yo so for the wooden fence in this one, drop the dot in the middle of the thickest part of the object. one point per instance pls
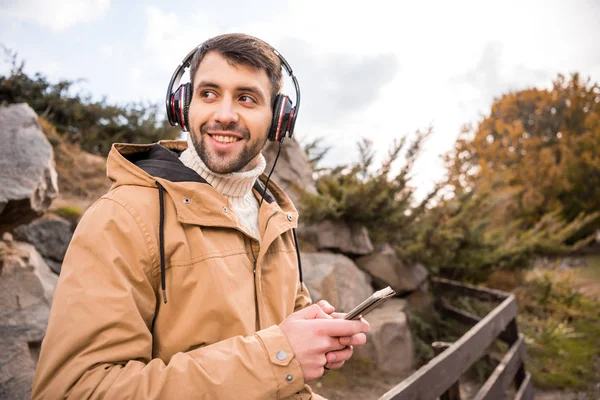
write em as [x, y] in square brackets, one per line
[439, 377]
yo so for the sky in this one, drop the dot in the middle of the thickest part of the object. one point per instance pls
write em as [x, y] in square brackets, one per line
[376, 69]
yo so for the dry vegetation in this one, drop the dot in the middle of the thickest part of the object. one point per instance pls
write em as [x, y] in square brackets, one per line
[81, 175]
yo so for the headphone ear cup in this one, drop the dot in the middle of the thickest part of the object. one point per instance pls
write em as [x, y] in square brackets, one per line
[176, 107]
[282, 112]
[187, 100]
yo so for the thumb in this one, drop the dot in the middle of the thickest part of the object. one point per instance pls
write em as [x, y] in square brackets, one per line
[313, 312]
[326, 307]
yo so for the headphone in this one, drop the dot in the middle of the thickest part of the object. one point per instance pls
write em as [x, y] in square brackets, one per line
[284, 111]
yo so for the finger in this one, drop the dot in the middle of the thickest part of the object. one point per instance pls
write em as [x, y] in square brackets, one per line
[341, 327]
[338, 315]
[356, 340]
[335, 365]
[326, 307]
[339, 355]
[366, 322]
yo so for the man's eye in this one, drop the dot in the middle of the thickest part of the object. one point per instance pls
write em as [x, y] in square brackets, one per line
[247, 99]
[207, 94]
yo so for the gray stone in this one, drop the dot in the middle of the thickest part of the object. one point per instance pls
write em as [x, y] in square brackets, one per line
[389, 344]
[338, 236]
[26, 289]
[335, 278]
[28, 180]
[55, 266]
[16, 365]
[293, 171]
[387, 269]
[50, 235]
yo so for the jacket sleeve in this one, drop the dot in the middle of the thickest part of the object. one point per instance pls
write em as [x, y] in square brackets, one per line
[99, 340]
[303, 299]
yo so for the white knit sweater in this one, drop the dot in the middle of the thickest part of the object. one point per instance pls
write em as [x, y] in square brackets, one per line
[236, 186]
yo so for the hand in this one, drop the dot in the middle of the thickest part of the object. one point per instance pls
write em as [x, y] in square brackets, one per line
[313, 333]
[336, 359]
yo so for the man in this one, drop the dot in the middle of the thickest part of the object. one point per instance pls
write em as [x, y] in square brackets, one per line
[233, 320]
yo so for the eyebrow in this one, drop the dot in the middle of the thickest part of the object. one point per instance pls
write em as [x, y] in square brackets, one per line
[251, 89]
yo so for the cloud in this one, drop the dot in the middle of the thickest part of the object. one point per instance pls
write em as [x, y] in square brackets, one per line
[493, 76]
[168, 39]
[57, 15]
[336, 85]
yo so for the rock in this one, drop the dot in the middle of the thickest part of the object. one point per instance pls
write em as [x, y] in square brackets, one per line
[50, 235]
[55, 266]
[16, 366]
[335, 278]
[293, 171]
[337, 236]
[389, 344]
[26, 288]
[387, 269]
[28, 182]
[422, 301]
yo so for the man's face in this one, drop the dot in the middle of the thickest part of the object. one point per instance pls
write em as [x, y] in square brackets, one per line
[230, 114]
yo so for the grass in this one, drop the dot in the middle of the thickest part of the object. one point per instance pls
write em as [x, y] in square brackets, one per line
[561, 328]
[70, 213]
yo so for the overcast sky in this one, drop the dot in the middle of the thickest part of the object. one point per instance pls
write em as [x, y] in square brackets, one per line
[376, 69]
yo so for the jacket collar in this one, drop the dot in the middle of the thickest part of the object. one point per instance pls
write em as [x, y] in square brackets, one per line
[196, 201]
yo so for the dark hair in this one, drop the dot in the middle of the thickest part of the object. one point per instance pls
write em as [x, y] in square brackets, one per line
[242, 49]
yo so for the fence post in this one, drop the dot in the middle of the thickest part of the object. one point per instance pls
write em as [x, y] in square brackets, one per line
[511, 334]
[453, 392]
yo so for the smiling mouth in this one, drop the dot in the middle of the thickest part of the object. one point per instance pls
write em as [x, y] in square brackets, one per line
[225, 139]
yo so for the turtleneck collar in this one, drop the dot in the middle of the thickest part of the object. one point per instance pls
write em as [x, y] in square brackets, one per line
[234, 184]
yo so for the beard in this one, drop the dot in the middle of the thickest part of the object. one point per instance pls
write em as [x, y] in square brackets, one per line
[225, 163]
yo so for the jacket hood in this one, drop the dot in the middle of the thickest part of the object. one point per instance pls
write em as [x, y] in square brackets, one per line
[142, 164]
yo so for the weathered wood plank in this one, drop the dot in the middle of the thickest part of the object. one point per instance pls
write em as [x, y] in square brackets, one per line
[433, 379]
[511, 335]
[453, 392]
[504, 373]
[526, 390]
[479, 292]
[471, 319]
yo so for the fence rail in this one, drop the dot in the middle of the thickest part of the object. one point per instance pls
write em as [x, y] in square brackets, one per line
[440, 376]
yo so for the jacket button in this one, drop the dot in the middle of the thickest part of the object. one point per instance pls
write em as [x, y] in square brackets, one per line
[290, 217]
[289, 377]
[186, 201]
[225, 210]
[281, 355]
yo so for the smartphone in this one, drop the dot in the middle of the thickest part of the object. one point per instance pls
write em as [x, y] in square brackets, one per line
[371, 303]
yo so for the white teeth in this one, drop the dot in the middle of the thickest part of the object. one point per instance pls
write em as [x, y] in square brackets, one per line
[225, 139]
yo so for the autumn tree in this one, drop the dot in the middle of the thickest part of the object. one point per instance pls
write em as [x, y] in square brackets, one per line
[541, 146]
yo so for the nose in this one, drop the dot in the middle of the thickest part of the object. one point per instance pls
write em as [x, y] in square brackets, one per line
[225, 113]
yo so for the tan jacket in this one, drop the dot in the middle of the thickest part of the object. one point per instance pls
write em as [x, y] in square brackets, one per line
[111, 335]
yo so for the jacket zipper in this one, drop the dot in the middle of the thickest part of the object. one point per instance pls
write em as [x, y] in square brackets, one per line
[256, 308]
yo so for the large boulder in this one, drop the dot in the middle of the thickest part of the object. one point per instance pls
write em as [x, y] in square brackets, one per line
[337, 236]
[293, 171]
[28, 182]
[50, 235]
[335, 278]
[389, 344]
[26, 289]
[388, 270]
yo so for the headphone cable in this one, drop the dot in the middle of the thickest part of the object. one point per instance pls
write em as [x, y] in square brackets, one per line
[272, 169]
